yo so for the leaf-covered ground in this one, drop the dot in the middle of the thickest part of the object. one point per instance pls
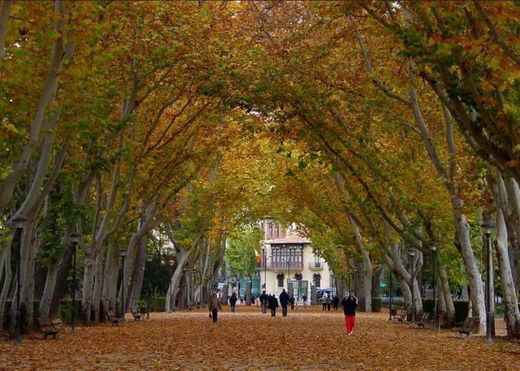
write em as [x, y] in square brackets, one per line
[306, 339]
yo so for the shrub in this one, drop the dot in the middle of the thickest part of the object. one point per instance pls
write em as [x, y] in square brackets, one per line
[376, 304]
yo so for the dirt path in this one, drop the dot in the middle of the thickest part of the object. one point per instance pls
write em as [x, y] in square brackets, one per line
[306, 339]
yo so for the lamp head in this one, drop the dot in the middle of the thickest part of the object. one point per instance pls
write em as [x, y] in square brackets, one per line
[487, 227]
[18, 222]
[412, 253]
[433, 245]
[122, 253]
[149, 258]
[75, 237]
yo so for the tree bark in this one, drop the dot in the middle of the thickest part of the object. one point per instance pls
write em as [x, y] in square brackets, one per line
[4, 18]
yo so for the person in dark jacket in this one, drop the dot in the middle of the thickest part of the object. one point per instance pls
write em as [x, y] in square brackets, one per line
[349, 304]
[291, 300]
[335, 302]
[284, 301]
[233, 301]
[263, 301]
[273, 304]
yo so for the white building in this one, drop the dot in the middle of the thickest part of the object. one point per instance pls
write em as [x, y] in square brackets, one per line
[287, 261]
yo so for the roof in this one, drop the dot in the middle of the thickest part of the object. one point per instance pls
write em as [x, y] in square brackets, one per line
[289, 240]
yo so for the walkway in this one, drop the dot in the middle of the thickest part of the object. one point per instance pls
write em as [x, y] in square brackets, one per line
[306, 339]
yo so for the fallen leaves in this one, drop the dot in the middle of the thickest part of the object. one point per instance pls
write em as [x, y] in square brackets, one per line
[306, 339]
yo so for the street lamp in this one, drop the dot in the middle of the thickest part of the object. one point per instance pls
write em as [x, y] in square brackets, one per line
[74, 238]
[390, 303]
[433, 248]
[487, 228]
[18, 223]
[412, 255]
[149, 258]
[122, 254]
[264, 253]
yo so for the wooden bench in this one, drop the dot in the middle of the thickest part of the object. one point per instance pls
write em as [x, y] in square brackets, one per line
[423, 320]
[112, 318]
[135, 313]
[468, 326]
[48, 327]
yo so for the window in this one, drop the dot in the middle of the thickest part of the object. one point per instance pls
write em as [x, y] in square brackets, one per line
[280, 278]
[316, 278]
[287, 256]
[270, 231]
[277, 231]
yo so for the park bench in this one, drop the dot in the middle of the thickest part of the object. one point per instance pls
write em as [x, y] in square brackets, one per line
[468, 326]
[423, 320]
[48, 327]
[112, 318]
[135, 313]
[393, 313]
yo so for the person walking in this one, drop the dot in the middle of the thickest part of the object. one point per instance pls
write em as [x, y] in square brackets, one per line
[350, 304]
[214, 307]
[284, 301]
[263, 301]
[304, 298]
[233, 301]
[291, 300]
[273, 304]
[335, 302]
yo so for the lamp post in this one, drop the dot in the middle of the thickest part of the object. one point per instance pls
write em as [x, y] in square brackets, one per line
[412, 255]
[122, 254]
[390, 303]
[18, 223]
[288, 267]
[149, 258]
[74, 238]
[487, 227]
[264, 253]
[433, 247]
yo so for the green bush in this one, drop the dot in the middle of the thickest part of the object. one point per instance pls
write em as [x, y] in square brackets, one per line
[377, 303]
[428, 305]
[65, 311]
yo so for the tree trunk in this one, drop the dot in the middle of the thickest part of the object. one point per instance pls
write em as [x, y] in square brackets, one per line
[366, 270]
[99, 282]
[509, 297]
[4, 18]
[472, 269]
[88, 286]
[48, 291]
[173, 289]
[445, 294]
[6, 261]
[110, 275]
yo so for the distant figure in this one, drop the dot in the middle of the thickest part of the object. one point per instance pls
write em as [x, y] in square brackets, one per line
[327, 302]
[349, 304]
[273, 304]
[263, 301]
[335, 302]
[304, 298]
[233, 301]
[284, 301]
[214, 307]
[324, 302]
[241, 299]
[252, 299]
[291, 300]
